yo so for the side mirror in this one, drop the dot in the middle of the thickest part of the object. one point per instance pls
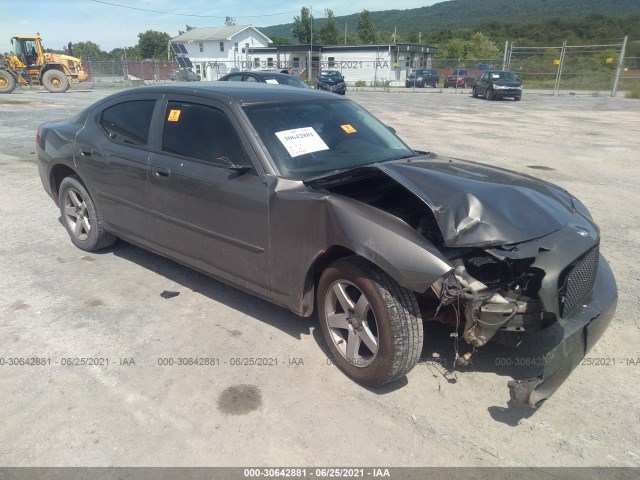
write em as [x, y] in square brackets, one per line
[229, 165]
[391, 129]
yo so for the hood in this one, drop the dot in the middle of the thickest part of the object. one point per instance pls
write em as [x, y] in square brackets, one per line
[477, 205]
[330, 80]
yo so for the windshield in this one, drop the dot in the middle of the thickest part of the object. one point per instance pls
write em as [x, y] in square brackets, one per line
[310, 139]
[510, 77]
[332, 74]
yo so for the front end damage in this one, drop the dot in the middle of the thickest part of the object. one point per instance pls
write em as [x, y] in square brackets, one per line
[524, 255]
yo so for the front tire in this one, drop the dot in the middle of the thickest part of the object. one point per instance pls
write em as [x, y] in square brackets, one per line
[474, 92]
[80, 217]
[7, 82]
[55, 81]
[489, 94]
[371, 324]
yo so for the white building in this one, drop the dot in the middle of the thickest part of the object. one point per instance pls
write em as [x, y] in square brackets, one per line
[213, 51]
[216, 51]
[369, 63]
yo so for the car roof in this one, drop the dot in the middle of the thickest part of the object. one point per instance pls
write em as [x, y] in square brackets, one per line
[243, 93]
[262, 74]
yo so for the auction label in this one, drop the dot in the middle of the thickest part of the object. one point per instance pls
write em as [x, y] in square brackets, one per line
[301, 141]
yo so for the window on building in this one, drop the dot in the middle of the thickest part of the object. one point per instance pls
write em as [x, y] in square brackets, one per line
[202, 133]
[296, 62]
[201, 45]
[222, 46]
[128, 122]
[269, 61]
[235, 46]
[256, 62]
[332, 62]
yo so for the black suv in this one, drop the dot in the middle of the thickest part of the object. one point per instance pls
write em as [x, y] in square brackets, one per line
[423, 77]
[493, 84]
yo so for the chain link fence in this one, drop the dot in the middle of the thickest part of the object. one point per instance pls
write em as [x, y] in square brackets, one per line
[585, 68]
[126, 73]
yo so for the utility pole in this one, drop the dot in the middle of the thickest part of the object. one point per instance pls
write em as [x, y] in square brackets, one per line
[345, 32]
[310, 47]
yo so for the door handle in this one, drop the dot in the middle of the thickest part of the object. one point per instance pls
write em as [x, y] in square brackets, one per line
[85, 152]
[161, 172]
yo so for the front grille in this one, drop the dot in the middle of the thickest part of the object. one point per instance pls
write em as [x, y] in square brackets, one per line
[579, 282]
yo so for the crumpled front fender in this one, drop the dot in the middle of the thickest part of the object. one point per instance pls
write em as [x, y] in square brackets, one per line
[304, 224]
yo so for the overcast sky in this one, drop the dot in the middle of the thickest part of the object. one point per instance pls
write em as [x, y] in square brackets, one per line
[110, 26]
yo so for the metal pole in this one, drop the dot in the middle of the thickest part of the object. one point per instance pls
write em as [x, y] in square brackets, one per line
[504, 59]
[509, 57]
[559, 73]
[616, 81]
[310, 47]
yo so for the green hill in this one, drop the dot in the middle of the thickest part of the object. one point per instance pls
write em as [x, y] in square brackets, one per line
[456, 14]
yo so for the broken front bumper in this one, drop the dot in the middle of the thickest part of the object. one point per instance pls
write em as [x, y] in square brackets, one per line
[581, 331]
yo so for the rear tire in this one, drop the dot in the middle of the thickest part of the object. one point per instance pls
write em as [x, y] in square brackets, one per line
[517, 99]
[55, 81]
[371, 324]
[80, 217]
[7, 82]
[474, 92]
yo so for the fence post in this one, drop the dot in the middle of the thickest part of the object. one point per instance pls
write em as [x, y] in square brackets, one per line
[616, 81]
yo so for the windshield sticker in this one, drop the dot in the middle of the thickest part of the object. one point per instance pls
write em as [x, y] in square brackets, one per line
[174, 115]
[272, 80]
[301, 141]
[348, 128]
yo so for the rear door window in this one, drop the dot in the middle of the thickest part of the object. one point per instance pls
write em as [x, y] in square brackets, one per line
[128, 122]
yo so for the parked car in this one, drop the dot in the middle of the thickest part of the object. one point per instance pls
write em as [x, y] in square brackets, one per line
[423, 77]
[498, 84]
[259, 76]
[184, 75]
[461, 78]
[305, 199]
[331, 81]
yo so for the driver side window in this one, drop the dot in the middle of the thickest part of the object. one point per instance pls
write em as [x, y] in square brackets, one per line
[203, 133]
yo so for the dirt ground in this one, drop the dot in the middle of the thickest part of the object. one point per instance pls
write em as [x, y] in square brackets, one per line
[59, 303]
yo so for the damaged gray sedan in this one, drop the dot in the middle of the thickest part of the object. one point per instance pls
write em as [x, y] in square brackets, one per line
[306, 200]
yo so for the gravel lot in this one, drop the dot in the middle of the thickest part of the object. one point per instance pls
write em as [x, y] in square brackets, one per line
[58, 302]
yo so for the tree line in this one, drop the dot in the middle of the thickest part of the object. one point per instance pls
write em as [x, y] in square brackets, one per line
[484, 41]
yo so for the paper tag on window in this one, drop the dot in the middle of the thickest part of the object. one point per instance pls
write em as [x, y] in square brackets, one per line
[348, 128]
[271, 80]
[301, 141]
[174, 115]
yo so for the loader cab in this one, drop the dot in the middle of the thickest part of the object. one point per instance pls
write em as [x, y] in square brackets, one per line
[28, 50]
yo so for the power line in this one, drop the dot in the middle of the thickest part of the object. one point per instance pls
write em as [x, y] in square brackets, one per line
[188, 14]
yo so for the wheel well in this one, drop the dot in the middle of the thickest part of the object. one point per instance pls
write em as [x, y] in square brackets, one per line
[52, 66]
[313, 275]
[59, 173]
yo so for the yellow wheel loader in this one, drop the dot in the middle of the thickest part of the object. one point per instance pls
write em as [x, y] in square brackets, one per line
[29, 64]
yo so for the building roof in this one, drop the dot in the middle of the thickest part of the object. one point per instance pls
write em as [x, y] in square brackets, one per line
[215, 34]
[397, 47]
